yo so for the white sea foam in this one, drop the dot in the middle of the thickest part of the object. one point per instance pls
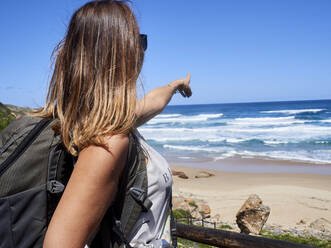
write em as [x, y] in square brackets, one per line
[322, 142]
[317, 156]
[185, 157]
[168, 115]
[171, 139]
[237, 134]
[228, 154]
[266, 121]
[293, 111]
[209, 139]
[282, 135]
[275, 142]
[211, 116]
[288, 129]
[198, 148]
[184, 118]
[177, 130]
[227, 140]
[326, 121]
[174, 120]
[235, 140]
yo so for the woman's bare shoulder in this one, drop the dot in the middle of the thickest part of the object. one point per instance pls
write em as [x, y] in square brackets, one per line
[115, 145]
[121, 140]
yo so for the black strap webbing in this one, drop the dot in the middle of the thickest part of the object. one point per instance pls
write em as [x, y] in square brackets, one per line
[173, 229]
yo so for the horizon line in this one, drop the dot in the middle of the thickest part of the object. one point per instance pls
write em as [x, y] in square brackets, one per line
[305, 100]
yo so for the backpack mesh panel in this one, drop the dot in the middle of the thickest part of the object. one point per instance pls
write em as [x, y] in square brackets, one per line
[23, 124]
[30, 169]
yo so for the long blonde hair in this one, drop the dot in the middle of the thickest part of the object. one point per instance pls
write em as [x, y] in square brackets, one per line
[92, 90]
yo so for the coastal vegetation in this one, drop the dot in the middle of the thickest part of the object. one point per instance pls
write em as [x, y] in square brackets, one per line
[285, 237]
[184, 216]
[6, 116]
[298, 239]
[9, 113]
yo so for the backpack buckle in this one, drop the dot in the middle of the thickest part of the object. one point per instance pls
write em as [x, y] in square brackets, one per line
[54, 187]
[140, 196]
[117, 228]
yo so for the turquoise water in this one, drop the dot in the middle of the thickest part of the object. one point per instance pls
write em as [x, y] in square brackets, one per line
[292, 131]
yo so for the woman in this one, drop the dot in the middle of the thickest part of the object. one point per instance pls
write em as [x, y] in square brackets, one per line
[93, 94]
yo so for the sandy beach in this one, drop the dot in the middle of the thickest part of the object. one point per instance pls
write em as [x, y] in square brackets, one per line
[292, 197]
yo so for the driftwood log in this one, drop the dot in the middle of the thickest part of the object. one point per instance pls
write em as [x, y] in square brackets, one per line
[227, 239]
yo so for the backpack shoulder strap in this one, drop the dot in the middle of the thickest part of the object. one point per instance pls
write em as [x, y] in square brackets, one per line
[135, 200]
[122, 216]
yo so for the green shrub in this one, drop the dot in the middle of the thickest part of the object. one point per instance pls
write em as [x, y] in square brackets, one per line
[300, 240]
[184, 243]
[5, 118]
[181, 213]
[224, 227]
[193, 204]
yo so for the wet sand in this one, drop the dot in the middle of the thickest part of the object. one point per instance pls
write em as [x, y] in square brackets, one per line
[255, 165]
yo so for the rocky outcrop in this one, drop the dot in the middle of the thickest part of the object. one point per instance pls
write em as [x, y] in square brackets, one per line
[204, 211]
[180, 174]
[197, 208]
[203, 174]
[321, 224]
[252, 215]
[179, 202]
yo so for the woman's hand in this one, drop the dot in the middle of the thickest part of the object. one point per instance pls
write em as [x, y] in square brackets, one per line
[182, 86]
[156, 100]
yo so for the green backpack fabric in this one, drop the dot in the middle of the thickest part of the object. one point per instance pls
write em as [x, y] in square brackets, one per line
[34, 170]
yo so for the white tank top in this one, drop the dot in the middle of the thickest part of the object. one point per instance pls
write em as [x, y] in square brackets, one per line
[150, 225]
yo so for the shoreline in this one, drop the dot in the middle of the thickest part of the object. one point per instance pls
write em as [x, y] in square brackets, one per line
[255, 165]
[295, 200]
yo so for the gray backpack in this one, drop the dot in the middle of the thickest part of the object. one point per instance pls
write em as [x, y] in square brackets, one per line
[34, 169]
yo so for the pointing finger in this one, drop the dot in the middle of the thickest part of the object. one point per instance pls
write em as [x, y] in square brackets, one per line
[188, 78]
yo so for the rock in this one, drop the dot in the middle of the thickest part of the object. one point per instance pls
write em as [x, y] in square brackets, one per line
[301, 222]
[197, 208]
[204, 211]
[252, 215]
[179, 202]
[321, 224]
[180, 174]
[195, 214]
[204, 174]
[204, 208]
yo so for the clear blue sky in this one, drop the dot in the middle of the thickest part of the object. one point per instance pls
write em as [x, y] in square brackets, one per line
[236, 50]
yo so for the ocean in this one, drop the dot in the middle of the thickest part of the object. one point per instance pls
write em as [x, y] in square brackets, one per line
[298, 131]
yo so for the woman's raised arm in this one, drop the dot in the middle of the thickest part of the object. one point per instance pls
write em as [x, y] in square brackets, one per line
[155, 101]
[89, 192]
